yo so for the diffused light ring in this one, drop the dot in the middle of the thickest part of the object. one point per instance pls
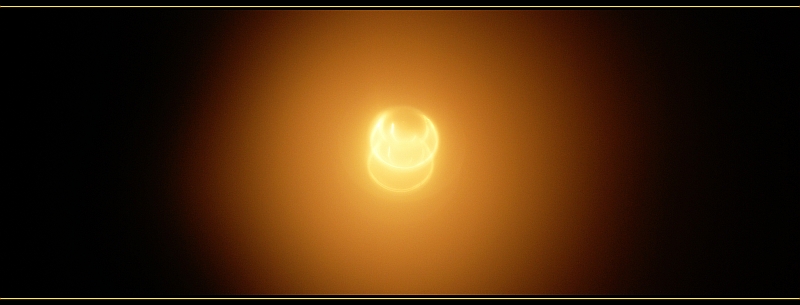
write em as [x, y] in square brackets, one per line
[427, 140]
[403, 142]
[399, 190]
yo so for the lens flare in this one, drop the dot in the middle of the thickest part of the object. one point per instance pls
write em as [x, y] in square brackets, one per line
[403, 145]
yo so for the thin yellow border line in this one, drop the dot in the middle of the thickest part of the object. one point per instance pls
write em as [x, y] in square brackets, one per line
[367, 6]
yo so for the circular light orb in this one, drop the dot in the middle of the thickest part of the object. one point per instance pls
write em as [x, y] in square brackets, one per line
[403, 145]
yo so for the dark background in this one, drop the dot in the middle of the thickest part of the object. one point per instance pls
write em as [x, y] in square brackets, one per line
[96, 98]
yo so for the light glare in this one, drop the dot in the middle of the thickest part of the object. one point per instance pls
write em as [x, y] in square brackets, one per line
[403, 145]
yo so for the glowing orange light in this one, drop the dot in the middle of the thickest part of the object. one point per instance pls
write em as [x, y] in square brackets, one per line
[403, 145]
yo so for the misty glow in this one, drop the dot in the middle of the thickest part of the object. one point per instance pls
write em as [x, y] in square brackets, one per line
[403, 144]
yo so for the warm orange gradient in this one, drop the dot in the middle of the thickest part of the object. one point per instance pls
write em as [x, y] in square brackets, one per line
[534, 191]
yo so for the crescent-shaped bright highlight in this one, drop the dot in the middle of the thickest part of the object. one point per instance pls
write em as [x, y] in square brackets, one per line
[403, 144]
